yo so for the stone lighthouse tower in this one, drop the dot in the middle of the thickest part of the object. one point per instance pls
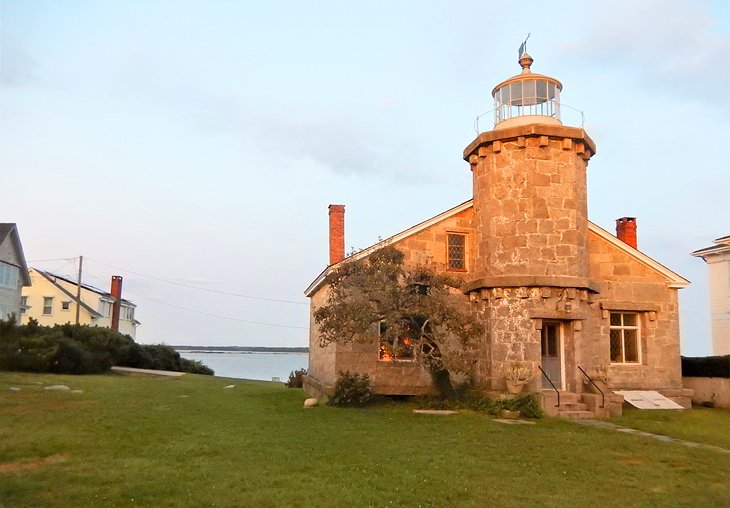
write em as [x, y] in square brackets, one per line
[530, 213]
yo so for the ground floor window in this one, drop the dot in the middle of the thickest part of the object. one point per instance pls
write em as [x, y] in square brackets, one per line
[394, 349]
[624, 336]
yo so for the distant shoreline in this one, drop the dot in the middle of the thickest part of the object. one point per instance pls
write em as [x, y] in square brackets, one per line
[239, 349]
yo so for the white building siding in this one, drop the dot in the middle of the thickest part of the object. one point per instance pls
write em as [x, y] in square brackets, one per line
[719, 268]
[9, 303]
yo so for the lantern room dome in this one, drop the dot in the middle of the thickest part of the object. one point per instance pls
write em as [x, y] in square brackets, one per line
[527, 98]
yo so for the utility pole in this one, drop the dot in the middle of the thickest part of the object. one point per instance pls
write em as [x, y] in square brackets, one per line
[78, 290]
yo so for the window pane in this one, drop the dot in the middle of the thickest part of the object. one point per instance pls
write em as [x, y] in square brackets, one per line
[528, 92]
[456, 252]
[541, 91]
[616, 353]
[631, 345]
[516, 93]
[629, 319]
[615, 319]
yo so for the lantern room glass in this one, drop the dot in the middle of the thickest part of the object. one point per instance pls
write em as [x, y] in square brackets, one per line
[527, 97]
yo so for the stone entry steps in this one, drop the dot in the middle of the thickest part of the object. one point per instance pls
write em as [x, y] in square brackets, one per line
[580, 406]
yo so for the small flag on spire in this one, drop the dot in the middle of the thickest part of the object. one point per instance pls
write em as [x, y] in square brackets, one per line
[523, 47]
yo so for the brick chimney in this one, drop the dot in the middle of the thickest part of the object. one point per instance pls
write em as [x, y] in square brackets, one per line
[626, 230]
[116, 292]
[337, 233]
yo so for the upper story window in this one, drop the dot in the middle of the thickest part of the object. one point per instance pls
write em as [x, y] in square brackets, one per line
[105, 308]
[66, 305]
[9, 275]
[456, 252]
[624, 334]
[47, 305]
[127, 313]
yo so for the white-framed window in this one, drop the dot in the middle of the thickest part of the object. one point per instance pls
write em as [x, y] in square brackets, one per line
[66, 305]
[127, 313]
[9, 275]
[24, 304]
[47, 305]
[105, 308]
[456, 252]
[625, 337]
[394, 350]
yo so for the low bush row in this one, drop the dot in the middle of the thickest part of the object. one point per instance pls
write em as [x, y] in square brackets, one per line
[355, 390]
[706, 366]
[82, 349]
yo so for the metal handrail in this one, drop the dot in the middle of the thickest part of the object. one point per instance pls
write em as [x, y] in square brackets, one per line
[551, 384]
[562, 105]
[603, 395]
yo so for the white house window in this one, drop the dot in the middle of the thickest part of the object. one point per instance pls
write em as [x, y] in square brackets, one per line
[105, 308]
[624, 334]
[128, 313]
[9, 275]
[24, 304]
[47, 305]
[456, 252]
[65, 305]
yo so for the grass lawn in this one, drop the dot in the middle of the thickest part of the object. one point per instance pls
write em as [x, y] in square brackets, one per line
[154, 441]
[702, 425]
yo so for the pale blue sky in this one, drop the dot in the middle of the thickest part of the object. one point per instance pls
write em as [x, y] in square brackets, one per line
[201, 142]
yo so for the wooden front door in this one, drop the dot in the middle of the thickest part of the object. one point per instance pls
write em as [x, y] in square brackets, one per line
[552, 354]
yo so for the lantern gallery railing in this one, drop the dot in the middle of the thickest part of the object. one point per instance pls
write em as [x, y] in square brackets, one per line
[575, 114]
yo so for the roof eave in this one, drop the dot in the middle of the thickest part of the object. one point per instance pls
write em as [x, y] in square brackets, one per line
[317, 283]
[675, 280]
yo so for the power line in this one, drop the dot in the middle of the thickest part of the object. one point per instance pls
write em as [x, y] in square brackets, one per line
[55, 259]
[218, 315]
[200, 288]
[202, 312]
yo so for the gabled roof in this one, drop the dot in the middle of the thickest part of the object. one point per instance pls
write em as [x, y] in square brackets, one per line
[675, 280]
[52, 279]
[722, 244]
[9, 232]
[395, 238]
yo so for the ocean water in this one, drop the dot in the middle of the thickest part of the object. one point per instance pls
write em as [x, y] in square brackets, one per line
[261, 366]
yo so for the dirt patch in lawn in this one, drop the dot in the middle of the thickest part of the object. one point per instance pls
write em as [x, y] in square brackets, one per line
[33, 464]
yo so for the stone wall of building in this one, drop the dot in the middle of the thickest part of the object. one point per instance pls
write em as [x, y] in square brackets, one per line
[322, 360]
[623, 283]
[427, 247]
[530, 201]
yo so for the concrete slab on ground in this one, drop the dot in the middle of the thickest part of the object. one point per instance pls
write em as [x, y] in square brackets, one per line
[132, 370]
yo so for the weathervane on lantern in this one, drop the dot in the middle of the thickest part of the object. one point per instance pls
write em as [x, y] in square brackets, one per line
[523, 47]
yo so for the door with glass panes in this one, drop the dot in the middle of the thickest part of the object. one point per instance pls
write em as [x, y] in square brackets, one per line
[552, 354]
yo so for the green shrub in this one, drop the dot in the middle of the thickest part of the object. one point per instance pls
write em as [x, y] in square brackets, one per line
[195, 367]
[351, 389]
[73, 357]
[706, 366]
[527, 404]
[82, 349]
[296, 378]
